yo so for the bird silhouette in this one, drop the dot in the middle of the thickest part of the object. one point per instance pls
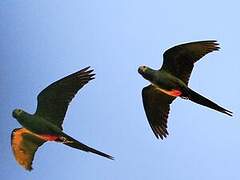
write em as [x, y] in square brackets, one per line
[171, 81]
[46, 123]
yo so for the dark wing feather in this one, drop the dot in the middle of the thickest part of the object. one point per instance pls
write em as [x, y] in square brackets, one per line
[157, 106]
[179, 60]
[24, 145]
[53, 101]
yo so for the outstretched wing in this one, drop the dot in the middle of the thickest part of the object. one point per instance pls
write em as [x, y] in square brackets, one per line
[53, 101]
[157, 106]
[179, 60]
[24, 145]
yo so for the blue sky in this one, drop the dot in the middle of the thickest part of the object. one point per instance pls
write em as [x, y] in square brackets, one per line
[43, 41]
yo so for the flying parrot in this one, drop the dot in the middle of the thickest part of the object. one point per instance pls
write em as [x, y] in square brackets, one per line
[171, 81]
[46, 123]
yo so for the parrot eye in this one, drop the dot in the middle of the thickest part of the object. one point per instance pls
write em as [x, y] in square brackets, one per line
[144, 68]
[19, 111]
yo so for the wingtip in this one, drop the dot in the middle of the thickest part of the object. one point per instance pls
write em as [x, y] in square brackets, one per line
[86, 74]
[159, 136]
[213, 45]
[211, 41]
[89, 71]
[160, 132]
[86, 68]
[162, 137]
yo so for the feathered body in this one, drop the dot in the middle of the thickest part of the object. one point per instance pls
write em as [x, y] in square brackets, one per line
[171, 81]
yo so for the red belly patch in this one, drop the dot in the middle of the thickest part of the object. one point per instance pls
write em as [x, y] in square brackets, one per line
[173, 92]
[48, 137]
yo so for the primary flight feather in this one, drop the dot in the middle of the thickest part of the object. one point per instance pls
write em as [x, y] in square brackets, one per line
[171, 81]
[46, 124]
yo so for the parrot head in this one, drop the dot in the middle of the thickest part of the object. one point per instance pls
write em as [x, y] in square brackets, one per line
[21, 116]
[146, 72]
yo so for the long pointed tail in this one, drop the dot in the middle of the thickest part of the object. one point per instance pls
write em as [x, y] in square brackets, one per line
[69, 141]
[197, 98]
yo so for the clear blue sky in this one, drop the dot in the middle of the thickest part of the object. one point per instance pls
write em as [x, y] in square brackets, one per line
[42, 41]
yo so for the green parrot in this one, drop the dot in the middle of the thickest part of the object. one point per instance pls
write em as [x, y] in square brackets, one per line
[46, 123]
[171, 81]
